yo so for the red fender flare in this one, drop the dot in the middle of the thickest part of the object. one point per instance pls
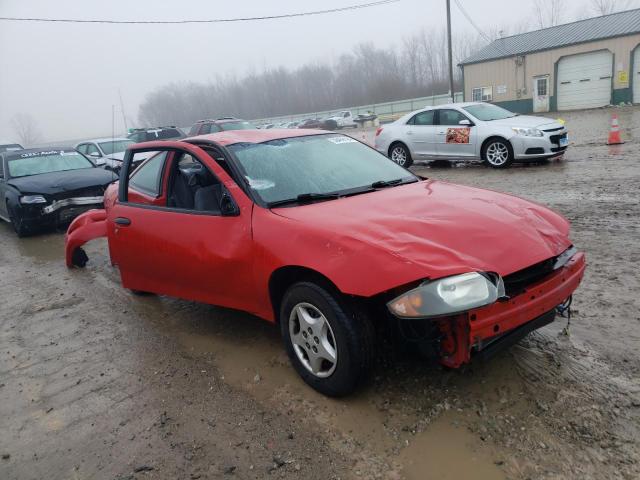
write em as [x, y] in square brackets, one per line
[88, 226]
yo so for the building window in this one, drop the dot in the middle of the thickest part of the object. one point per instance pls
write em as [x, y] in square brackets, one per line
[482, 94]
[541, 86]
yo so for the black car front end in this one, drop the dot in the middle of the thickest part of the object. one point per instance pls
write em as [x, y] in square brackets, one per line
[45, 188]
[33, 212]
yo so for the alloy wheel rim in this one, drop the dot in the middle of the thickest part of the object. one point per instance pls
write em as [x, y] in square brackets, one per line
[313, 340]
[399, 155]
[497, 153]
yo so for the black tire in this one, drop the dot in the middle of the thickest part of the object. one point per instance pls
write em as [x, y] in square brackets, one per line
[497, 153]
[399, 153]
[17, 223]
[352, 333]
[79, 258]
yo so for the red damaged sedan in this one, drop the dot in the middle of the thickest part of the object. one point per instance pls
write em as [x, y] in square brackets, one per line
[335, 243]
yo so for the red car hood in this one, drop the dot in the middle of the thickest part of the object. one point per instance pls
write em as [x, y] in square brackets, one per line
[441, 228]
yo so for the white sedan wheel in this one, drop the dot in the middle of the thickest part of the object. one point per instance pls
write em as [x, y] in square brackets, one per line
[399, 155]
[497, 154]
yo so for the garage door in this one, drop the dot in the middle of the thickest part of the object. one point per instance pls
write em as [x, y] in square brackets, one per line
[584, 81]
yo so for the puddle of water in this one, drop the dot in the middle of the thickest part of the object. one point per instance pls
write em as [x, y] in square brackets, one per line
[254, 360]
[43, 248]
[447, 452]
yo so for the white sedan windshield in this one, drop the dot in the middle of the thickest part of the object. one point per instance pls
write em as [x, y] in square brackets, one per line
[487, 112]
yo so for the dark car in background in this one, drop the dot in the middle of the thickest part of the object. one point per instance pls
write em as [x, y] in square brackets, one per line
[151, 134]
[204, 127]
[328, 124]
[8, 147]
[47, 187]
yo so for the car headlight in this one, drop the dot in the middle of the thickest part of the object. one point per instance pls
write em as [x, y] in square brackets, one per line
[448, 296]
[528, 132]
[31, 199]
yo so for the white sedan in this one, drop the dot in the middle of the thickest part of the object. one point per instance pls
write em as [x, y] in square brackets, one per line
[471, 131]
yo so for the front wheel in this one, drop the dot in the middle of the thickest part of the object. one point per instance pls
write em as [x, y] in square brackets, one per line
[400, 154]
[497, 153]
[329, 344]
[17, 223]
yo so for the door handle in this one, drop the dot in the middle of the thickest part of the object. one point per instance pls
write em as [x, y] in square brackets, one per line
[122, 221]
[409, 132]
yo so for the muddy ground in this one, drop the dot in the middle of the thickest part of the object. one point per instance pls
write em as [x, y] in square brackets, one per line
[96, 382]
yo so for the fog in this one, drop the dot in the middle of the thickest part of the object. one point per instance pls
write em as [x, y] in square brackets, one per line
[67, 76]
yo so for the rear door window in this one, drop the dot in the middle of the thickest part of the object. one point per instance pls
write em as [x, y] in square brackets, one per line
[168, 133]
[423, 118]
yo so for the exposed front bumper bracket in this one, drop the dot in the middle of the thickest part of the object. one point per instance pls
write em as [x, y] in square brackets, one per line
[514, 336]
[56, 205]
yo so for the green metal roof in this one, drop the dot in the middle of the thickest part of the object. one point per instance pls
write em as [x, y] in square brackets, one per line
[589, 30]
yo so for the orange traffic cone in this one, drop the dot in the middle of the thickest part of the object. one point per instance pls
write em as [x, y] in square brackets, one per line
[614, 133]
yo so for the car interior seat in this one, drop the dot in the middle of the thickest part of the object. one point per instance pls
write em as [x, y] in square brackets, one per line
[182, 195]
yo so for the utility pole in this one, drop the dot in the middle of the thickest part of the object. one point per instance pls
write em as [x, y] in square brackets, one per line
[453, 95]
[124, 117]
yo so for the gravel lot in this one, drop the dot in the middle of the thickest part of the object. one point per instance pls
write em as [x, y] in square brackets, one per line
[98, 383]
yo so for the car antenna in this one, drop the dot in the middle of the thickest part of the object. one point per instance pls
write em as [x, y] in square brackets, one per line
[113, 135]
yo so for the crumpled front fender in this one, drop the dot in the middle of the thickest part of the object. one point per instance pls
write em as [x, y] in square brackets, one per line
[88, 226]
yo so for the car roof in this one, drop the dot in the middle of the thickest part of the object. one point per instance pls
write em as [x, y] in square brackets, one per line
[105, 139]
[222, 120]
[229, 137]
[449, 105]
[151, 129]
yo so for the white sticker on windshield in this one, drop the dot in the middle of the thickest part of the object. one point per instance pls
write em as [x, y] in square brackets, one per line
[341, 140]
[260, 183]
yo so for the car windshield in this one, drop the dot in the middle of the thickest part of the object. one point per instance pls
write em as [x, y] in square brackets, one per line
[487, 112]
[35, 163]
[237, 126]
[115, 146]
[318, 164]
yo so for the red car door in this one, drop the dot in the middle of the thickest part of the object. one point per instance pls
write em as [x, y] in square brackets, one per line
[177, 249]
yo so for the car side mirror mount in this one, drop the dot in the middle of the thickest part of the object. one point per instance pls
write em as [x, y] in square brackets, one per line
[228, 206]
[466, 123]
[95, 155]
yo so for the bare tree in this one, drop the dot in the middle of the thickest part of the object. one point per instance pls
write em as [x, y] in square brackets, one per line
[26, 128]
[606, 7]
[548, 13]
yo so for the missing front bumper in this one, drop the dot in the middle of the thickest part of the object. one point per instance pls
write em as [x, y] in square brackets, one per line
[492, 347]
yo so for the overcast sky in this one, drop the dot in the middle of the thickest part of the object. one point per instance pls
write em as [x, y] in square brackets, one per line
[68, 75]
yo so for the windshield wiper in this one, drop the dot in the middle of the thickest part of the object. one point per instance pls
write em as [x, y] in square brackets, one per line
[386, 183]
[304, 198]
[392, 183]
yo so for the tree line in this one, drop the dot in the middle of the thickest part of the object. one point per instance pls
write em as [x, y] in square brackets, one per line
[368, 74]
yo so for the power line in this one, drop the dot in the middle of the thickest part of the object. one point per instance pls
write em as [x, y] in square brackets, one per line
[215, 20]
[482, 34]
[470, 20]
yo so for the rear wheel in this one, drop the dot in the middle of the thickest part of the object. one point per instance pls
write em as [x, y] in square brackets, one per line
[497, 153]
[400, 154]
[329, 344]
